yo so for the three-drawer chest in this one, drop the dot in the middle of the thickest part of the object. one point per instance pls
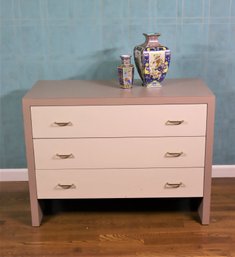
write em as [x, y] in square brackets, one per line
[92, 139]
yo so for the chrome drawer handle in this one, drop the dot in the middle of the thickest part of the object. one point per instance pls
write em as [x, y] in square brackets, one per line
[70, 186]
[174, 122]
[173, 155]
[63, 124]
[65, 156]
[173, 185]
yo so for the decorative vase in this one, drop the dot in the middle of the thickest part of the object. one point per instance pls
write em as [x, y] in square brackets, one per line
[126, 72]
[152, 60]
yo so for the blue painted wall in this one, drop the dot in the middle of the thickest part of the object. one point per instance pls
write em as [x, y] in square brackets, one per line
[82, 39]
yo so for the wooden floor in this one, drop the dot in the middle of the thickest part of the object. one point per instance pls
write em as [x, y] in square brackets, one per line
[146, 227]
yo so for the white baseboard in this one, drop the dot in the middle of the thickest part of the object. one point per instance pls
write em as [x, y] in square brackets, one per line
[218, 171]
[223, 171]
[14, 175]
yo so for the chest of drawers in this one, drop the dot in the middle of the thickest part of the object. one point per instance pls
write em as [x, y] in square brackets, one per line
[91, 139]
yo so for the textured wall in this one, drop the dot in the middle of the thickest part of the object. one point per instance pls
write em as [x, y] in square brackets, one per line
[82, 39]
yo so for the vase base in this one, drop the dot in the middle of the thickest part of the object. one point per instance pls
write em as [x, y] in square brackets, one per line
[152, 84]
[126, 86]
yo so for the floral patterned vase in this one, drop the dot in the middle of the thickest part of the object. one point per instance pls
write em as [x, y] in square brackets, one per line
[152, 60]
[126, 72]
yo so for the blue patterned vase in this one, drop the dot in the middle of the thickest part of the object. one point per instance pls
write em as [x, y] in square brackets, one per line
[152, 60]
[126, 72]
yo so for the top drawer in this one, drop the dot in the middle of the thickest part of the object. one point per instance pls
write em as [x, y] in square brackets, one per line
[119, 121]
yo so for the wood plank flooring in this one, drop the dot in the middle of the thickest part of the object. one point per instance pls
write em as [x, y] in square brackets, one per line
[127, 227]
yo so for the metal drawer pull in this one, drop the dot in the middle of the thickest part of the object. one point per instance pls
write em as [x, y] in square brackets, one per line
[65, 156]
[173, 155]
[174, 122]
[63, 124]
[60, 186]
[176, 185]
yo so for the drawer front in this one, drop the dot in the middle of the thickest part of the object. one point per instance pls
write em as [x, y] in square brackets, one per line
[118, 121]
[120, 183]
[119, 152]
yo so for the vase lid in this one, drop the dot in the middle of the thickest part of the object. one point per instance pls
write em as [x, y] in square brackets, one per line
[125, 56]
[151, 34]
[126, 59]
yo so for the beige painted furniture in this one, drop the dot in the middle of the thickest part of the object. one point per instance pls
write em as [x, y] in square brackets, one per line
[91, 139]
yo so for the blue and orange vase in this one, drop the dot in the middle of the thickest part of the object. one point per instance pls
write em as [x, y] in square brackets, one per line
[152, 60]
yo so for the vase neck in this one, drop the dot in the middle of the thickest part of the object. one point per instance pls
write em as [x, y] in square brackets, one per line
[126, 59]
[152, 39]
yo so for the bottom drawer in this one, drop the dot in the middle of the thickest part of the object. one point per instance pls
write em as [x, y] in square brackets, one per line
[120, 183]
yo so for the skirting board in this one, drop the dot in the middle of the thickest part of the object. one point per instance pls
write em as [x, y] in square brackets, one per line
[14, 175]
[223, 171]
[218, 171]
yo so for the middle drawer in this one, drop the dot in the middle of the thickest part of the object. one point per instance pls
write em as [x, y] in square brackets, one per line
[119, 152]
